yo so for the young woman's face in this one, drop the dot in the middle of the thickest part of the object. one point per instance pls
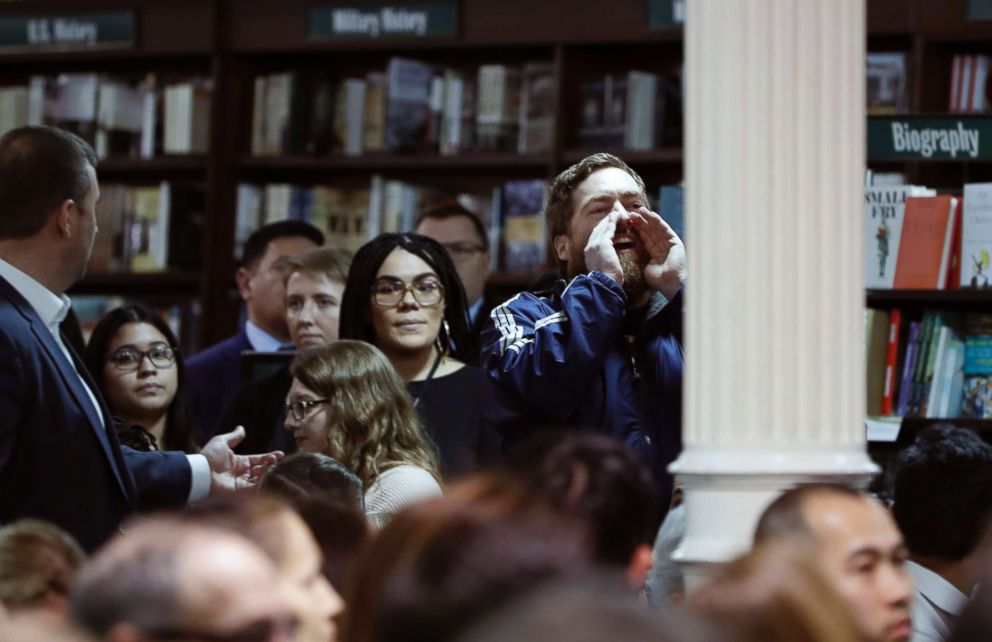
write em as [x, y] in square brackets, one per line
[413, 323]
[308, 417]
[140, 375]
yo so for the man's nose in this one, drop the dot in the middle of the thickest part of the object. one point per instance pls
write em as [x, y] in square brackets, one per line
[898, 586]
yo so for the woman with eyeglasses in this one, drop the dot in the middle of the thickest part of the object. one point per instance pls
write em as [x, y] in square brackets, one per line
[404, 296]
[348, 402]
[133, 356]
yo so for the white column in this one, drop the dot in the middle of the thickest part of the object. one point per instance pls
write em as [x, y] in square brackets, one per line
[774, 158]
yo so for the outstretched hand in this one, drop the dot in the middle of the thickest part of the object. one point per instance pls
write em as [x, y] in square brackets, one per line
[665, 271]
[599, 253]
[229, 471]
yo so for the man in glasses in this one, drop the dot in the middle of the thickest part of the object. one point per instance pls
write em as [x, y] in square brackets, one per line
[604, 351]
[60, 459]
[172, 581]
[462, 234]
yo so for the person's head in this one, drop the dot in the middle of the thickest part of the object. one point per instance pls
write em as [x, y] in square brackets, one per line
[943, 493]
[262, 273]
[38, 563]
[314, 286]
[317, 476]
[439, 565]
[49, 192]
[135, 359]
[287, 541]
[775, 593]
[404, 296]
[857, 547]
[169, 581]
[341, 531]
[347, 401]
[601, 481]
[583, 195]
[461, 233]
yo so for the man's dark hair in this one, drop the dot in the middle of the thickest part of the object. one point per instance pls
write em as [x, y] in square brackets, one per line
[40, 168]
[943, 492]
[315, 476]
[341, 532]
[452, 209]
[357, 301]
[784, 516]
[599, 480]
[259, 240]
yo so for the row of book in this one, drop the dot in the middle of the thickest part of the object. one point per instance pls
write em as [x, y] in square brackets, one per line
[512, 212]
[916, 239]
[417, 107]
[121, 117]
[182, 317]
[938, 366]
[969, 84]
[149, 228]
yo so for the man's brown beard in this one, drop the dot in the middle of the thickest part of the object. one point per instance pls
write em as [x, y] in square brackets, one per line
[632, 265]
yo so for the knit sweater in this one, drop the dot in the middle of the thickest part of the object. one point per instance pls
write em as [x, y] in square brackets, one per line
[397, 488]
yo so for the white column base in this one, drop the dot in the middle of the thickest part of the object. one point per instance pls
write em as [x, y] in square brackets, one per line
[726, 491]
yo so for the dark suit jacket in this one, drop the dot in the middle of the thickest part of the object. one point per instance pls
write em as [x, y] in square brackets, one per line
[259, 406]
[57, 462]
[213, 376]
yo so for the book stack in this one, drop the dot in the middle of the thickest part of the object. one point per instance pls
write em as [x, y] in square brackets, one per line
[969, 83]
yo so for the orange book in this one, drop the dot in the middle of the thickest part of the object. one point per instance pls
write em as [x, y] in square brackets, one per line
[891, 362]
[925, 250]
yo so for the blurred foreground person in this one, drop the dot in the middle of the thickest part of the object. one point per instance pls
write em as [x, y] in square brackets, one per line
[169, 581]
[38, 563]
[39, 628]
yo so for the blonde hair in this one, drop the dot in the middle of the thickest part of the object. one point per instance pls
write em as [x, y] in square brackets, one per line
[375, 426]
[35, 558]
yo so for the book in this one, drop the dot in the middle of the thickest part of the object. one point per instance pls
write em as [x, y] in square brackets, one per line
[889, 381]
[671, 207]
[976, 235]
[592, 119]
[886, 87]
[524, 244]
[925, 249]
[498, 112]
[884, 212]
[70, 103]
[908, 368]
[187, 117]
[876, 341]
[408, 98]
[120, 118]
[373, 135]
[642, 109]
[537, 108]
[13, 107]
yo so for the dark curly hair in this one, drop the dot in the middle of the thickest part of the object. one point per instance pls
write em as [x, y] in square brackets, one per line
[355, 304]
[179, 422]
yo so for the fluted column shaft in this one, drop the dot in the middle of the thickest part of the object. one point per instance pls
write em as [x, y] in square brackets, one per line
[774, 155]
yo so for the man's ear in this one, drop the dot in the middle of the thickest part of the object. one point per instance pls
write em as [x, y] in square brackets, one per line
[561, 247]
[65, 218]
[639, 566]
[243, 278]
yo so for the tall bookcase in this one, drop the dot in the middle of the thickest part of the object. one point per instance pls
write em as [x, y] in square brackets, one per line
[233, 41]
[930, 34]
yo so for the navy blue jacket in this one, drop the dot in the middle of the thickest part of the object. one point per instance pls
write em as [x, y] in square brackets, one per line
[57, 462]
[213, 377]
[564, 360]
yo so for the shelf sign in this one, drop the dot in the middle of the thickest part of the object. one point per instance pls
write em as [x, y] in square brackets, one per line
[927, 138]
[383, 21]
[979, 9]
[665, 14]
[67, 32]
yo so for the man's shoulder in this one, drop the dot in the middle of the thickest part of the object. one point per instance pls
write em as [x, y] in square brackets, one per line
[229, 348]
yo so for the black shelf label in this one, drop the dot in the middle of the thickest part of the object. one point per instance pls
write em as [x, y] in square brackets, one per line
[929, 138]
[665, 14]
[364, 21]
[67, 32]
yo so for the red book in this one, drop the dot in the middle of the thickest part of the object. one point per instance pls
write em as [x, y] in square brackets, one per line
[925, 252]
[954, 266]
[891, 358]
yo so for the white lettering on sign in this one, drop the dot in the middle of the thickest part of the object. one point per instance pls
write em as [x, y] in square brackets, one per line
[925, 141]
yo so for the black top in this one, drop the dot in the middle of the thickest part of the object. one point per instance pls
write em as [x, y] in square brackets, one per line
[451, 410]
[259, 407]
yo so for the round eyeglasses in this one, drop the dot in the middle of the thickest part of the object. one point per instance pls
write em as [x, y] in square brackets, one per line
[301, 407]
[427, 291]
[129, 359]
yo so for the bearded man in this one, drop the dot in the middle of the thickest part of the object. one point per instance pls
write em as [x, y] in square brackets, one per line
[603, 351]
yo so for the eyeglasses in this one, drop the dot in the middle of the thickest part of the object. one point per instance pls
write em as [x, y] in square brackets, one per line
[263, 630]
[129, 359]
[427, 291]
[301, 407]
[462, 250]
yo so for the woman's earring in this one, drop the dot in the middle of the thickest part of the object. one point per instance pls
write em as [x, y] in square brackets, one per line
[444, 345]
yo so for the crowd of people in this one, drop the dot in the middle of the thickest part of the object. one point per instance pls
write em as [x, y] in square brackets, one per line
[421, 462]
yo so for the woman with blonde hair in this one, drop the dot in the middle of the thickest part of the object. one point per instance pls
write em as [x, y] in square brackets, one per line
[347, 402]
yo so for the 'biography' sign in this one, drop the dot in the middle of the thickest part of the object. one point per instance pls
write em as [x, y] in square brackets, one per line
[929, 138]
[383, 21]
[69, 32]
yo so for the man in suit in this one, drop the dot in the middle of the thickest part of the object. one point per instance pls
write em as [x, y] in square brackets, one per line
[462, 234]
[215, 374]
[59, 455]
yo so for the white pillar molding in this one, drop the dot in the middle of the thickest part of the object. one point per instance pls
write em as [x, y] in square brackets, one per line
[774, 172]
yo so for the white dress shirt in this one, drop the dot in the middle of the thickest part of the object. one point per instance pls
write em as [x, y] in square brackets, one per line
[260, 340]
[52, 309]
[936, 605]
